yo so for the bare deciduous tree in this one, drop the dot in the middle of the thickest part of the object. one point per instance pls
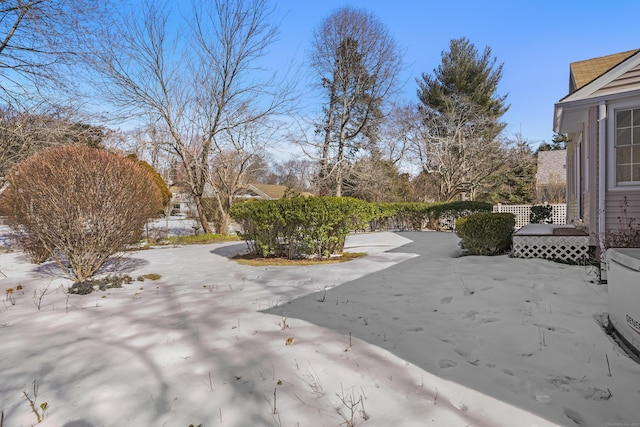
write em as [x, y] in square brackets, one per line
[39, 40]
[358, 62]
[23, 133]
[397, 133]
[554, 191]
[297, 174]
[457, 149]
[199, 85]
[230, 171]
[376, 180]
[79, 205]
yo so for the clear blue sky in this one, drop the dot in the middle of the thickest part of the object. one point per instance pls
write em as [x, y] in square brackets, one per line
[536, 41]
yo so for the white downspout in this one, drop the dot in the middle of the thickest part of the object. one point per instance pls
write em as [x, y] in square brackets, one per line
[602, 171]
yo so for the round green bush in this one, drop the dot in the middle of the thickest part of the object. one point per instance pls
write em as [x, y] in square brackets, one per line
[486, 233]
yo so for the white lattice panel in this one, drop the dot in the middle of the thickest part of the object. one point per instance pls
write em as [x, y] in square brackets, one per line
[565, 248]
[523, 213]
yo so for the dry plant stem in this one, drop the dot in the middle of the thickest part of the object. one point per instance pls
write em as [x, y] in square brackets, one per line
[33, 407]
[275, 407]
[37, 298]
[349, 401]
[608, 365]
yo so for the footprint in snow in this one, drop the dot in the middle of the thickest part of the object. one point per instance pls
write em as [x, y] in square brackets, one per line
[462, 352]
[554, 328]
[595, 393]
[574, 416]
[446, 363]
[446, 300]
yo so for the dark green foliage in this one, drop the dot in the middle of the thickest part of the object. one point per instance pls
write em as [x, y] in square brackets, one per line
[445, 215]
[419, 216]
[558, 142]
[514, 184]
[486, 233]
[155, 176]
[467, 73]
[301, 227]
[540, 214]
[402, 216]
[87, 286]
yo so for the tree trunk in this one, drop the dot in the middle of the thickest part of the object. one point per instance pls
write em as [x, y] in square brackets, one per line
[324, 161]
[202, 218]
[341, 141]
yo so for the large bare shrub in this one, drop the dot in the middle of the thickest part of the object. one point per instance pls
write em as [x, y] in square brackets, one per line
[79, 205]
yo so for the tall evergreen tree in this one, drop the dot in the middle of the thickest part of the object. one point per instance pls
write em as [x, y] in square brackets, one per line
[466, 73]
[460, 114]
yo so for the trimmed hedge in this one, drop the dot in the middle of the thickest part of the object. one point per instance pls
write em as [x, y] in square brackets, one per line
[486, 233]
[301, 226]
[420, 216]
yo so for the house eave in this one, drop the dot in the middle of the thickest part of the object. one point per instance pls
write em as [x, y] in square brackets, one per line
[569, 114]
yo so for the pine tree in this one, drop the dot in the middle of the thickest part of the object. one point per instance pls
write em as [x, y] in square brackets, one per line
[467, 73]
[460, 114]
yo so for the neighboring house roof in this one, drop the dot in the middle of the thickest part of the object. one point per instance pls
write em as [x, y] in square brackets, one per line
[271, 191]
[552, 167]
[260, 191]
[584, 72]
[268, 191]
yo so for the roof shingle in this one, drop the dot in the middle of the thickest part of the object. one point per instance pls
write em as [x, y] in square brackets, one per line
[584, 72]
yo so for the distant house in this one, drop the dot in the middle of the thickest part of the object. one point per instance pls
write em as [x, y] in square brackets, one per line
[183, 202]
[264, 191]
[601, 116]
[551, 176]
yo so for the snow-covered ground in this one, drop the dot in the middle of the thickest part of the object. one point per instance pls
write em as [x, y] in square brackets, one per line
[414, 336]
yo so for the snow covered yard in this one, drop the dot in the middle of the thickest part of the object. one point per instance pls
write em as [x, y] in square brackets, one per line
[455, 338]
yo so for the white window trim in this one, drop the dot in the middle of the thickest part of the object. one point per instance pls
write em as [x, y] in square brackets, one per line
[611, 151]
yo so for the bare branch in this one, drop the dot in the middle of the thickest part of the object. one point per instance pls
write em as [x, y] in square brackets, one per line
[199, 87]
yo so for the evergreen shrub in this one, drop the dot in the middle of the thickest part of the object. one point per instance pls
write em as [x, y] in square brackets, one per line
[540, 214]
[444, 215]
[419, 216]
[301, 226]
[486, 233]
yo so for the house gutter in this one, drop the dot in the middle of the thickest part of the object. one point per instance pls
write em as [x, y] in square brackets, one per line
[602, 178]
[576, 101]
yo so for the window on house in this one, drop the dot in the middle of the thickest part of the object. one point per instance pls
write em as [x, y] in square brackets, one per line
[628, 145]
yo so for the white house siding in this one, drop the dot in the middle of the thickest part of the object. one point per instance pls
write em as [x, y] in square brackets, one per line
[627, 81]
